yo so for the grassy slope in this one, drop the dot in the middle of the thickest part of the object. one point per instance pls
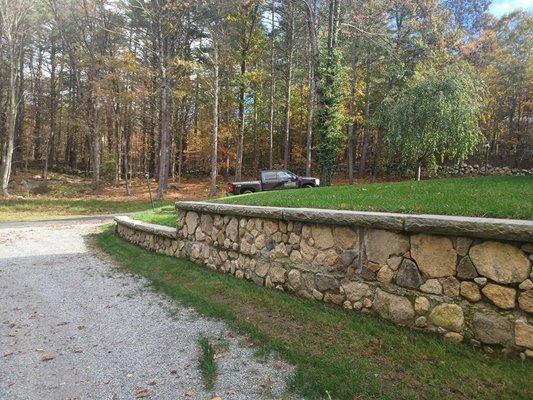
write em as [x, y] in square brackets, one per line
[347, 354]
[165, 215]
[50, 208]
[503, 197]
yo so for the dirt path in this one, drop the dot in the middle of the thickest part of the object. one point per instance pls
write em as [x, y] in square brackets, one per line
[74, 327]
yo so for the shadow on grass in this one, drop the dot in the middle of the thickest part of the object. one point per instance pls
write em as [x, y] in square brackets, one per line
[348, 355]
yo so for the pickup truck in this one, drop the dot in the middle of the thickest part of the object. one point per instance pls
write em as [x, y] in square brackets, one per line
[273, 180]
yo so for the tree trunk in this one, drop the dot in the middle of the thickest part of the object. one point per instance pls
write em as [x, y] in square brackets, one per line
[288, 81]
[366, 129]
[214, 132]
[272, 90]
[352, 124]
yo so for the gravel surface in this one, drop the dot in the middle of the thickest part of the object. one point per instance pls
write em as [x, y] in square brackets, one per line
[72, 326]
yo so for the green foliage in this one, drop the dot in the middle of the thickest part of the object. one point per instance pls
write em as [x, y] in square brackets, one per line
[108, 168]
[330, 118]
[435, 117]
[206, 363]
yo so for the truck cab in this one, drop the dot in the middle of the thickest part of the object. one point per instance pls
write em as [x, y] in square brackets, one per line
[273, 180]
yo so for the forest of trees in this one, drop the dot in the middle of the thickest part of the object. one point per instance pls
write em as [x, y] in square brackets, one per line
[120, 88]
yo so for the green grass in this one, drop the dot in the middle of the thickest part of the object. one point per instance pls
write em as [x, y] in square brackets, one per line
[51, 208]
[349, 355]
[165, 215]
[206, 363]
[500, 197]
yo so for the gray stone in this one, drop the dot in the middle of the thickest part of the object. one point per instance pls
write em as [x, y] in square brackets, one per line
[355, 291]
[322, 236]
[206, 223]
[192, 222]
[326, 282]
[294, 278]
[462, 245]
[465, 269]
[491, 328]
[380, 245]
[395, 308]
[450, 286]
[434, 255]
[232, 229]
[348, 257]
[432, 286]
[408, 275]
[481, 280]
[501, 262]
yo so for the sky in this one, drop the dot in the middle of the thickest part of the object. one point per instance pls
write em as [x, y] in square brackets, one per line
[500, 7]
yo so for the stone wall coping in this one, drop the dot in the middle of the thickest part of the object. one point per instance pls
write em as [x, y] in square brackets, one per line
[159, 230]
[484, 228]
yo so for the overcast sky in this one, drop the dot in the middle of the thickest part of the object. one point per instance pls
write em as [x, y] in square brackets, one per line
[500, 7]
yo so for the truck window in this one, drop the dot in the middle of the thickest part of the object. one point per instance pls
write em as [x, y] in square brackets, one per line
[269, 176]
[285, 176]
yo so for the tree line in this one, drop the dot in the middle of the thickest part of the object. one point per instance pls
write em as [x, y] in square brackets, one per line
[123, 88]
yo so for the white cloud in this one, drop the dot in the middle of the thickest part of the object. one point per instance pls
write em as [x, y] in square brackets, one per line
[501, 7]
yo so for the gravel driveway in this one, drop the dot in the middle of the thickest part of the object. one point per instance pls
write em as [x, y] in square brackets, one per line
[72, 326]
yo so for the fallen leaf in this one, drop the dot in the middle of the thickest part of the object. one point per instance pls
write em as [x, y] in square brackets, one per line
[189, 393]
[140, 393]
[47, 357]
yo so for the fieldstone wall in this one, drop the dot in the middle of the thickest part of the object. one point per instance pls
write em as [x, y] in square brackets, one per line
[467, 279]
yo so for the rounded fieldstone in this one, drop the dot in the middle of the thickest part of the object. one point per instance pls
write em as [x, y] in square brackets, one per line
[501, 296]
[326, 282]
[191, 220]
[434, 255]
[470, 291]
[408, 275]
[345, 237]
[447, 316]
[381, 244]
[491, 328]
[453, 337]
[501, 262]
[356, 290]
[523, 333]
[450, 286]
[526, 285]
[432, 286]
[525, 300]
[421, 322]
[421, 305]
[395, 308]
[385, 275]
[322, 236]
[294, 278]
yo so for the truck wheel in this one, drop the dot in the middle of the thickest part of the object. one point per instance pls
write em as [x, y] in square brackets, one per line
[308, 186]
[247, 191]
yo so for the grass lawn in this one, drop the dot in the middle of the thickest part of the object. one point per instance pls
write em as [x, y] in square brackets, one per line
[348, 355]
[500, 197]
[165, 215]
[51, 208]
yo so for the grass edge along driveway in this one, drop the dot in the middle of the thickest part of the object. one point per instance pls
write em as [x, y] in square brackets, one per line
[348, 355]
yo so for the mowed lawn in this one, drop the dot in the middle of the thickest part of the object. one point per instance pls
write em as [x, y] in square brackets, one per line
[337, 354]
[52, 208]
[499, 197]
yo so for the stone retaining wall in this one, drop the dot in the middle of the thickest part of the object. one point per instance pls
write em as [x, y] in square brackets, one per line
[464, 278]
